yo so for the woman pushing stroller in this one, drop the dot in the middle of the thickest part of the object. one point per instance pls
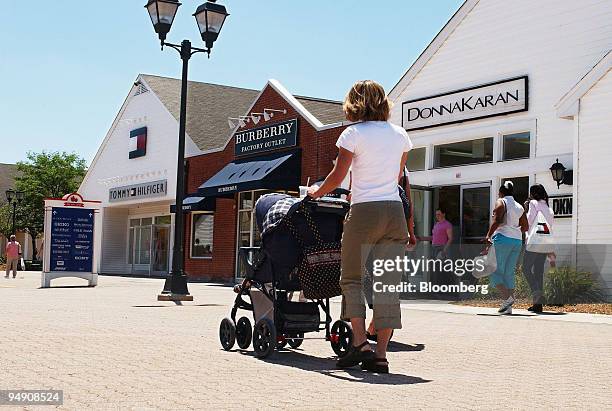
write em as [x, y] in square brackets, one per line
[376, 151]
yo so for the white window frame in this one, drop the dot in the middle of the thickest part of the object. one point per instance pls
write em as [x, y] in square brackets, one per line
[500, 137]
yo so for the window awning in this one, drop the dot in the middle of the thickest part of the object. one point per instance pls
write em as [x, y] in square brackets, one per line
[276, 171]
[195, 202]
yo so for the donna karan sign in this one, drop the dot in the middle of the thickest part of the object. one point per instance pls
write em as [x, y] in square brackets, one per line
[266, 138]
[487, 100]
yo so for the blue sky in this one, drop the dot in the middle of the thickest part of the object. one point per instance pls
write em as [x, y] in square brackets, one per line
[66, 65]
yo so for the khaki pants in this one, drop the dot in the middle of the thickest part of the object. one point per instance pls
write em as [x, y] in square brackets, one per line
[11, 263]
[380, 228]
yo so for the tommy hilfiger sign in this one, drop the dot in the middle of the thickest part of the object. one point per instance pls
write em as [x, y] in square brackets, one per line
[135, 191]
[266, 138]
[487, 100]
[138, 142]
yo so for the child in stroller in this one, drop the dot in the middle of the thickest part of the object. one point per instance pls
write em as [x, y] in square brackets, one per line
[272, 276]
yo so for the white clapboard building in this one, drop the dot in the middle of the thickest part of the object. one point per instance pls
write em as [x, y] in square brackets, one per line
[134, 171]
[504, 91]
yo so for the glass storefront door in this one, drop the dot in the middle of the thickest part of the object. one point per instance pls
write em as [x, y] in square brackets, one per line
[475, 212]
[149, 245]
[160, 251]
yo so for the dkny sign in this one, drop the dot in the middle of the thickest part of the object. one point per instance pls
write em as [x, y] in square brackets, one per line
[266, 138]
[143, 190]
[562, 205]
[487, 100]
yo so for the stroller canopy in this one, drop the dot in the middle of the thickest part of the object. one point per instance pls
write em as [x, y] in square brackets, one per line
[270, 210]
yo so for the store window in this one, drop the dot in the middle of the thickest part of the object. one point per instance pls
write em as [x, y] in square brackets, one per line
[248, 232]
[521, 188]
[202, 235]
[464, 153]
[416, 159]
[516, 146]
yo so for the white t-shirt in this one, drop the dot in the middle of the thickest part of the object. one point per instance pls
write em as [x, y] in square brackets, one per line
[377, 148]
[511, 226]
[541, 206]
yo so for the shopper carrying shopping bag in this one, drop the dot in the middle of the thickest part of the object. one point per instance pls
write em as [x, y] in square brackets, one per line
[506, 234]
[539, 243]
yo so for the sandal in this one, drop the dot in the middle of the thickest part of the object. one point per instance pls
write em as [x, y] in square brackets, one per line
[355, 355]
[374, 337]
[377, 365]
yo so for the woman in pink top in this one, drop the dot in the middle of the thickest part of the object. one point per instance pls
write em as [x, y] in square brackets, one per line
[441, 234]
[533, 263]
[13, 252]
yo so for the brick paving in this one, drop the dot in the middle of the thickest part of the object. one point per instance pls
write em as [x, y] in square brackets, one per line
[116, 347]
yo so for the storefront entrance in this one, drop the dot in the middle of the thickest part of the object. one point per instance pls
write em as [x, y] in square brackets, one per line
[149, 245]
[467, 208]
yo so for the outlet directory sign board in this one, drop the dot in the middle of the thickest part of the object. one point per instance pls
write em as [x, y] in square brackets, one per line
[72, 239]
[69, 242]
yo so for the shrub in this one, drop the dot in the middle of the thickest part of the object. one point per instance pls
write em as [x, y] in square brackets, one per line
[521, 285]
[567, 285]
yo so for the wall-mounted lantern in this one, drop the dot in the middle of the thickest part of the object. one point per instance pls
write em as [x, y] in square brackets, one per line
[561, 175]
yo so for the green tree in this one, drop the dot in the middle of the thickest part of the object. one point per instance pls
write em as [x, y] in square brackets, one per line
[45, 175]
[5, 220]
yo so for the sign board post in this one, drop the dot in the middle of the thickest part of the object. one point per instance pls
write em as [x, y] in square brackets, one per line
[69, 239]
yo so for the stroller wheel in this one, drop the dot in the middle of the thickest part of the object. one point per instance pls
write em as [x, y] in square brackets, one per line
[341, 337]
[295, 339]
[264, 338]
[281, 342]
[227, 333]
[244, 333]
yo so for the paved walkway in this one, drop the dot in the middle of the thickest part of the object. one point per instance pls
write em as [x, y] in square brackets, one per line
[115, 346]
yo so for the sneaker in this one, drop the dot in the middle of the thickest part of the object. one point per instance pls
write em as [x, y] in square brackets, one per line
[506, 304]
[507, 311]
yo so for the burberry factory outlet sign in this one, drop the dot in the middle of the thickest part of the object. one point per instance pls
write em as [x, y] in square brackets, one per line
[266, 138]
[487, 100]
[136, 191]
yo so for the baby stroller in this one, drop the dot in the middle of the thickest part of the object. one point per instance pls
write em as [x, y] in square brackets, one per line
[272, 278]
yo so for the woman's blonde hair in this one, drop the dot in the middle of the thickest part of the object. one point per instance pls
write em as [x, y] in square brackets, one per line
[367, 101]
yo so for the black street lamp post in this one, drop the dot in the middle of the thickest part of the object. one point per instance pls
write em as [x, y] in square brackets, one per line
[14, 197]
[210, 18]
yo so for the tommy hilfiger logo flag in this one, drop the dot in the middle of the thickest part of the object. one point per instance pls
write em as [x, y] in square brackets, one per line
[138, 142]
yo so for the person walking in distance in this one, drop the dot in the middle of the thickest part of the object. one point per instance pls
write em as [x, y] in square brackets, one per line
[13, 253]
[533, 262]
[506, 234]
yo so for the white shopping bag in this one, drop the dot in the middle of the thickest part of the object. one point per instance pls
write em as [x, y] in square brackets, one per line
[22, 264]
[485, 265]
[540, 236]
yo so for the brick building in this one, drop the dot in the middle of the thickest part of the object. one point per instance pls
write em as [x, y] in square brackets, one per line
[291, 144]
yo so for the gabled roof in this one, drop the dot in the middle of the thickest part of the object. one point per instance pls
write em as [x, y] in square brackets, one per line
[328, 110]
[569, 104]
[432, 48]
[210, 105]
[7, 179]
